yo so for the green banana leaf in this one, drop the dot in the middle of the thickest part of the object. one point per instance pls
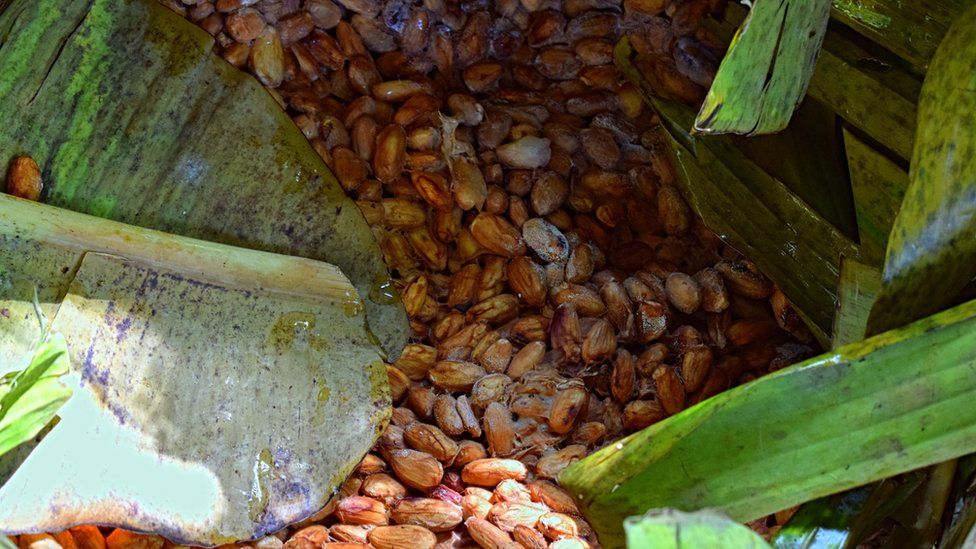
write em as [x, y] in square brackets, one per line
[929, 247]
[819, 427]
[827, 522]
[133, 117]
[32, 396]
[865, 103]
[754, 211]
[208, 380]
[912, 30]
[931, 254]
[856, 291]
[879, 186]
[867, 87]
[674, 529]
[767, 69]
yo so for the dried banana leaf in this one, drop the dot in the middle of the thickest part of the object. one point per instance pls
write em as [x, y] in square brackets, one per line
[767, 68]
[931, 253]
[208, 381]
[819, 427]
[132, 117]
[674, 529]
[879, 185]
[912, 30]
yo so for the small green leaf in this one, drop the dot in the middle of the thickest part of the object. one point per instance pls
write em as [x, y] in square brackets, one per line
[765, 73]
[34, 395]
[674, 529]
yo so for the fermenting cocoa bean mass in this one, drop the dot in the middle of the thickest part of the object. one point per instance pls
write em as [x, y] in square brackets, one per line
[561, 292]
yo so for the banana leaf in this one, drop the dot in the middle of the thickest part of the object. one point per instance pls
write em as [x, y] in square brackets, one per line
[828, 522]
[767, 69]
[865, 103]
[879, 186]
[208, 381]
[931, 254]
[912, 30]
[133, 117]
[867, 87]
[674, 529]
[819, 427]
[856, 291]
[753, 211]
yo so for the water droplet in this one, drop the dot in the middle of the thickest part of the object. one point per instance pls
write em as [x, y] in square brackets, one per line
[351, 306]
[382, 291]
